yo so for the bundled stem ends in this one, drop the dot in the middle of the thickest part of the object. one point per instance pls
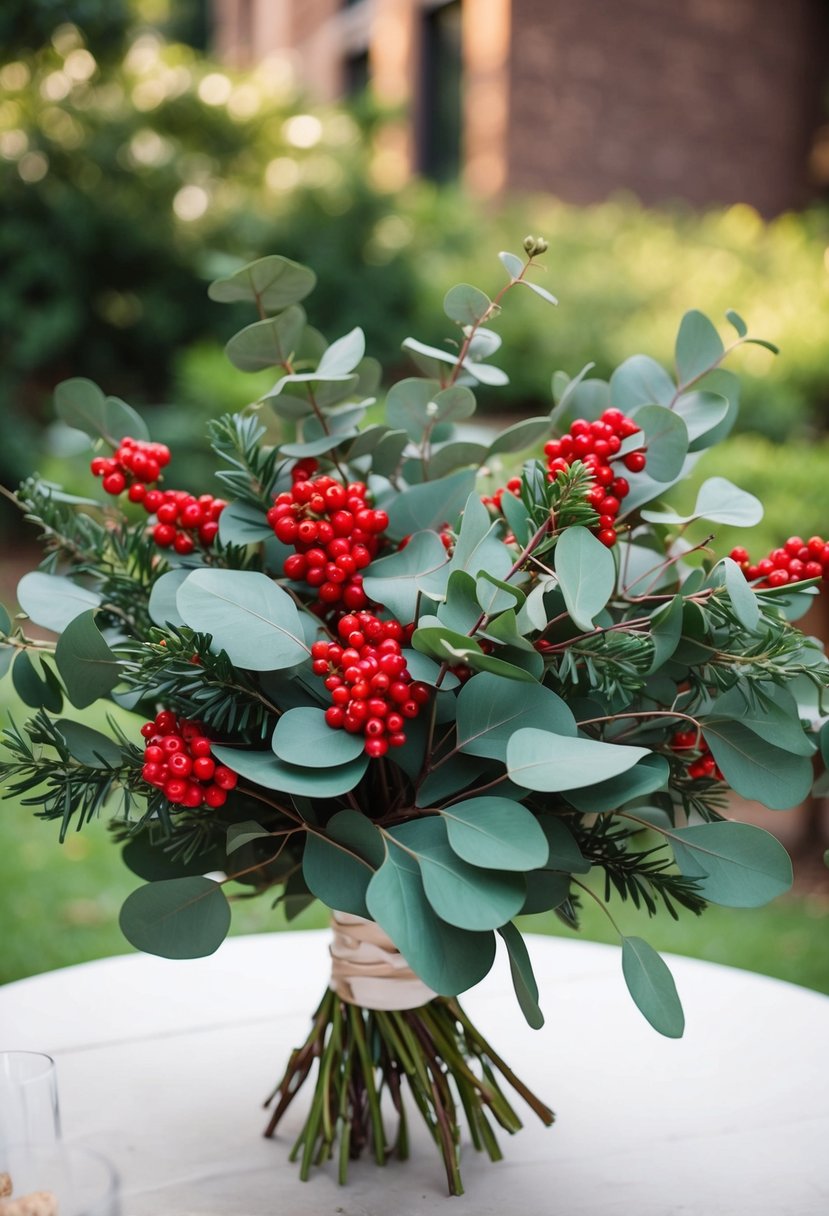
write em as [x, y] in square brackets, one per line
[362, 1054]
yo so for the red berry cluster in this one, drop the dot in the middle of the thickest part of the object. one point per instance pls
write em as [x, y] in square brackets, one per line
[797, 559]
[513, 486]
[135, 464]
[596, 445]
[182, 518]
[335, 534]
[371, 688]
[703, 764]
[177, 761]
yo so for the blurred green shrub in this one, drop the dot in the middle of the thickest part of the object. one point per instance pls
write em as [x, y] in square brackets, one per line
[128, 180]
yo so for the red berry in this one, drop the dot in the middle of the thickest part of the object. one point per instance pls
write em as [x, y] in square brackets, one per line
[225, 778]
[215, 796]
[634, 461]
[114, 483]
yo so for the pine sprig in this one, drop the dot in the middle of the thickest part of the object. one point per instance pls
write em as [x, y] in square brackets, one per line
[60, 786]
[643, 877]
[612, 663]
[253, 468]
[118, 559]
[178, 670]
[563, 501]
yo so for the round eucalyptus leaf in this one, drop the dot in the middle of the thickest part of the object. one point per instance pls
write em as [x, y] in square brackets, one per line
[268, 343]
[540, 760]
[736, 864]
[586, 574]
[461, 894]
[267, 770]
[496, 834]
[249, 617]
[81, 404]
[698, 347]
[303, 737]
[273, 282]
[176, 918]
[87, 666]
[448, 959]
[466, 304]
[89, 746]
[491, 709]
[162, 606]
[52, 601]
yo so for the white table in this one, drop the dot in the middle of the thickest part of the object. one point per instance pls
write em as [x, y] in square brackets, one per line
[162, 1066]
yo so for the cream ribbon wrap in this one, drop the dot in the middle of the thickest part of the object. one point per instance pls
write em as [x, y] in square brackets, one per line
[367, 968]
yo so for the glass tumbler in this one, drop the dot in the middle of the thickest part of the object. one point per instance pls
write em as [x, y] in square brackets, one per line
[77, 1181]
[28, 1098]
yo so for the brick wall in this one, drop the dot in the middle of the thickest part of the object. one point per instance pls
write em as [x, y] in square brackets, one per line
[711, 101]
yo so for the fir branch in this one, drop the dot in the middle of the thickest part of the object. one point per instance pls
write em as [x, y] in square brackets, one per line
[253, 468]
[612, 662]
[643, 877]
[59, 785]
[178, 670]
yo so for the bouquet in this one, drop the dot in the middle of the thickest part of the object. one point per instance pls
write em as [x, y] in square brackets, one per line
[434, 677]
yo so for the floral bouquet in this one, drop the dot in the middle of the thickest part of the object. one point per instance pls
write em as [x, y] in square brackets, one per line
[371, 674]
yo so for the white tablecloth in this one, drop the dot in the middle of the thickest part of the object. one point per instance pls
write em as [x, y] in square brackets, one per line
[163, 1065]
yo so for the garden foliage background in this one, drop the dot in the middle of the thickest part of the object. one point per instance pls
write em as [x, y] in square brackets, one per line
[133, 170]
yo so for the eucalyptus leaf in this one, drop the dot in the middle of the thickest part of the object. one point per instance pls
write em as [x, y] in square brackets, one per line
[52, 601]
[81, 404]
[523, 978]
[496, 834]
[698, 347]
[87, 666]
[652, 987]
[89, 746]
[586, 574]
[718, 500]
[176, 918]
[430, 505]
[640, 380]
[242, 524]
[398, 581]
[743, 599]
[162, 605]
[240, 834]
[269, 343]
[769, 711]
[478, 547]
[650, 774]
[736, 865]
[703, 414]
[248, 616]
[491, 710]
[303, 737]
[563, 851]
[339, 863]
[447, 959]
[462, 895]
[519, 436]
[666, 438]
[267, 770]
[467, 305]
[755, 768]
[33, 689]
[455, 455]
[273, 283]
[550, 762]
[342, 356]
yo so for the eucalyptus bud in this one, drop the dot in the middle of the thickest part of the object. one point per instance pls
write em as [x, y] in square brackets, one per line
[535, 245]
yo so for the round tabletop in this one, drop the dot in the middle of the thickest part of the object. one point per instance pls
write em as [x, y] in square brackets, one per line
[163, 1067]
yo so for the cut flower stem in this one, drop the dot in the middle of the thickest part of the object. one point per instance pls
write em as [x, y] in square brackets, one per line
[363, 1055]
